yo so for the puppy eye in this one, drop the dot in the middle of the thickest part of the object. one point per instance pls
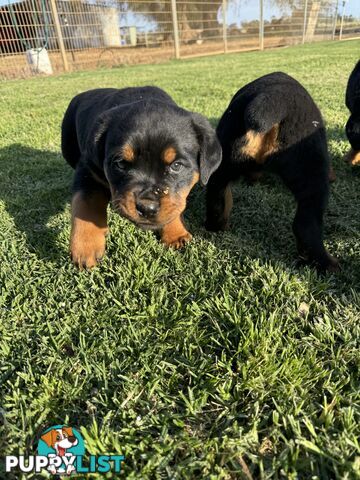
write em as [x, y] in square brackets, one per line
[175, 167]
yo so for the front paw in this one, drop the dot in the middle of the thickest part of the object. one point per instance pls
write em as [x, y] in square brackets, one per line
[178, 242]
[86, 252]
[175, 235]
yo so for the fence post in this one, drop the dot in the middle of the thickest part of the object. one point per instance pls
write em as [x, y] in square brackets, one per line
[335, 20]
[305, 20]
[175, 29]
[342, 19]
[224, 19]
[261, 27]
[59, 34]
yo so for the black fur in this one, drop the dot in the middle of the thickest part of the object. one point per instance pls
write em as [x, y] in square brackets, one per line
[353, 104]
[301, 159]
[99, 123]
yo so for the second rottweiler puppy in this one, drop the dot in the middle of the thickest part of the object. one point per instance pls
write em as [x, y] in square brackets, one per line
[353, 124]
[138, 149]
[272, 123]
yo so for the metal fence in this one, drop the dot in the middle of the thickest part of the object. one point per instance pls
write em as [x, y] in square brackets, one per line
[51, 36]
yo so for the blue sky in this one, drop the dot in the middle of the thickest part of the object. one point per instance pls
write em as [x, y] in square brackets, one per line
[244, 10]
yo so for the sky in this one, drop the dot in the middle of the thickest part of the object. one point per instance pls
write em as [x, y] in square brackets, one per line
[239, 11]
[245, 10]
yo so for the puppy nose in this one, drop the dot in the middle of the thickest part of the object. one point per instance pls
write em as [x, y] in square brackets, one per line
[147, 208]
[72, 439]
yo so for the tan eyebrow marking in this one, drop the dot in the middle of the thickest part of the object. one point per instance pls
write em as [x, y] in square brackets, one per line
[169, 155]
[128, 153]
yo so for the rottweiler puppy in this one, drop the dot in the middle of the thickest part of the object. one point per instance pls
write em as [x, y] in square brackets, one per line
[273, 124]
[137, 149]
[352, 101]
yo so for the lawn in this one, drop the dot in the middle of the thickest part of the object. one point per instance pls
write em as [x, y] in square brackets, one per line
[221, 361]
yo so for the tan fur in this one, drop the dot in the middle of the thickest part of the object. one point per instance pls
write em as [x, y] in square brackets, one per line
[89, 227]
[128, 153]
[353, 157]
[260, 145]
[174, 234]
[173, 205]
[169, 155]
[228, 205]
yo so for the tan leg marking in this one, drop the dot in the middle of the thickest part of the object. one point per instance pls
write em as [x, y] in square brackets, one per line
[353, 157]
[88, 228]
[260, 145]
[174, 234]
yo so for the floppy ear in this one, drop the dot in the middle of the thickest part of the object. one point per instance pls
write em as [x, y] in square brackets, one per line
[68, 430]
[95, 150]
[210, 149]
[49, 438]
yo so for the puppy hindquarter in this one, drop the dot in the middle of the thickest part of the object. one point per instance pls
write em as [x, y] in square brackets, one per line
[174, 234]
[258, 146]
[88, 227]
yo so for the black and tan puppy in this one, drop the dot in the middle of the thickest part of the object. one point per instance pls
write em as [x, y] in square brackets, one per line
[273, 124]
[353, 124]
[136, 148]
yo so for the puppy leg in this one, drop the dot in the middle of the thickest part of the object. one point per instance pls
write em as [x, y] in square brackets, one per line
[89, 227]
[219, 202]
[174, 234]
[308, 230]
[353, 157]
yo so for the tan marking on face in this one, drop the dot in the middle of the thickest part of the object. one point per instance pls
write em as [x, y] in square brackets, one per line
[128, 153]
[260, 145]
[128, 207]
[88, 229]
[173, 204]
[169, 155]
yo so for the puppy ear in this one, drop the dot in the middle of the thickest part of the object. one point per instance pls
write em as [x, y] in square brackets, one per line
[48, 438]
[96, 140]
[210, 149]
[69, 431]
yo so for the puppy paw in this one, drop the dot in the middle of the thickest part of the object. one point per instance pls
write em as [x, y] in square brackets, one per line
[178, 242]
[87, 251]
[175, 235]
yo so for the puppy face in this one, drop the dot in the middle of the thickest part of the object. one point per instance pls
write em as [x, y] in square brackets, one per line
[152, 157]
[62, 437]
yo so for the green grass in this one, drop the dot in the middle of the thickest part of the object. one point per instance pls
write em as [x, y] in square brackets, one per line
[222, 361]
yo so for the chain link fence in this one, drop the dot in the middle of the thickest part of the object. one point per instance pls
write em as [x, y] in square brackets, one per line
[52, 36]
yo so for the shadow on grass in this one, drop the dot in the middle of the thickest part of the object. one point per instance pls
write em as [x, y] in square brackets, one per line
[36, 186]
[262, 215]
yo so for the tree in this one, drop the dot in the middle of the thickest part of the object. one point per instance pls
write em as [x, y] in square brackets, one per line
[193, 18]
